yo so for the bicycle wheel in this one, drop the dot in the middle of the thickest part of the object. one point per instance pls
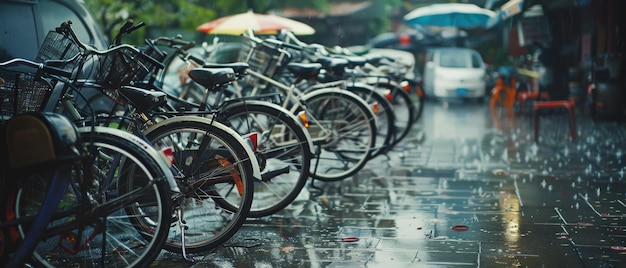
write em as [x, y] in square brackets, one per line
[404, 109]
[385, 116]
[50, 184]
[283, 146]
[117, 215]
[216, 190]
[343, 129]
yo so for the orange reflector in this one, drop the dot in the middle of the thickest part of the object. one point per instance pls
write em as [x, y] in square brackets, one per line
[419, 91]
[405, 85]
[375, 107]
[305, 121]
[233, 173]
[388, 96]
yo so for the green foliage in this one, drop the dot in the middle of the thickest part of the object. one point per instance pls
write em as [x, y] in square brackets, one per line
[186, 15]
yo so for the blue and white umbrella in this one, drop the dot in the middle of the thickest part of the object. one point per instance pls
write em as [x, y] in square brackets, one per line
[464, 16]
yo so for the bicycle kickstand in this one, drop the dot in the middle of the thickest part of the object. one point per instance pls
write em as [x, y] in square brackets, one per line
[183, 226]
[318, 191]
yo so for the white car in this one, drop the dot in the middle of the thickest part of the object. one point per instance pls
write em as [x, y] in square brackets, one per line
[454, 73]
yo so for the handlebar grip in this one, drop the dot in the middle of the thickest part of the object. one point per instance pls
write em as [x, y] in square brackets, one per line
[196, 59]
[127, 25]
[57, 71]
[133, 28]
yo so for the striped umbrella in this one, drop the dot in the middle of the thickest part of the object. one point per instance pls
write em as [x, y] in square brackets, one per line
[259, 23]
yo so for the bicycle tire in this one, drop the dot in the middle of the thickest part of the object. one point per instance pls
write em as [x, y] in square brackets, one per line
[212, 204]
[353, 136]
[385, 134]
[53, 182]
[282, 143]
[78, 230]
[404, 109]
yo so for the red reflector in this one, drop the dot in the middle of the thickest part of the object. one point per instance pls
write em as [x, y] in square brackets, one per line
[252, 139]
[404, 39]
[168, 154]
[460, 228]
[349, 239]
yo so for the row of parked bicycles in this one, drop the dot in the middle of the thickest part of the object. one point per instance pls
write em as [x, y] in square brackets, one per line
[103, 165]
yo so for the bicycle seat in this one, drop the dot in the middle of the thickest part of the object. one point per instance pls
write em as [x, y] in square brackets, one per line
[335, 65]
[353, 61]
[238, 67]
[212, 78]
[143, 99]
[305, 70]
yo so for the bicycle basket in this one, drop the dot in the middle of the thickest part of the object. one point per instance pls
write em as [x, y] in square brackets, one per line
[21, 92]
[57, 46]
[262, 58]
[149, 74]
[122, 66]
[38, 138]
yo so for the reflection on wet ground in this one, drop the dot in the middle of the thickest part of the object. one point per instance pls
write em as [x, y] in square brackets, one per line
[458, 192]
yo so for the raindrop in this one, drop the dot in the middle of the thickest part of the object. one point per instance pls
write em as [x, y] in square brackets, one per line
[579, 179]
[566, 151]
[598, 192]
[577, 205]
[550, 188]
[534, 148]
[573, 185]
[543, 184]
[545, 172]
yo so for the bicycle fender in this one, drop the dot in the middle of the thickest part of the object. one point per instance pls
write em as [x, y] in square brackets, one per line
[279, 108]
[256, 170]
[139, 142]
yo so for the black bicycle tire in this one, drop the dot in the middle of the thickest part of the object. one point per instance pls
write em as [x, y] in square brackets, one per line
[240, 213]
[387, 113]
[161, 188]
[369, 121]
[297, 129]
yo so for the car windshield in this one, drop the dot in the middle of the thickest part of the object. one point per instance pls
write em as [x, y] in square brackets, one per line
[453, 59]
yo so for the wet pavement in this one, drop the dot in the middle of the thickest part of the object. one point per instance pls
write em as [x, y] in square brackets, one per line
[467, 188]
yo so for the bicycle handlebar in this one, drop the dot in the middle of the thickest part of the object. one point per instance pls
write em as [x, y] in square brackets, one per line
[171, 42]
[37, 65]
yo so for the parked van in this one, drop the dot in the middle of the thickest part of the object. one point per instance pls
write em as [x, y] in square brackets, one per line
[454, 73]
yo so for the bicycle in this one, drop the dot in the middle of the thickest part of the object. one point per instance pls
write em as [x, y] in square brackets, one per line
[214, 166]
[283, 145]
[341, 124]
[380, 72]
[113, 180]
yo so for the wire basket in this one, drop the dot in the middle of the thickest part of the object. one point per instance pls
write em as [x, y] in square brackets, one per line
[262, 58]
[57, 46]
[149, 75]
[122, 66]
[21, 92]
